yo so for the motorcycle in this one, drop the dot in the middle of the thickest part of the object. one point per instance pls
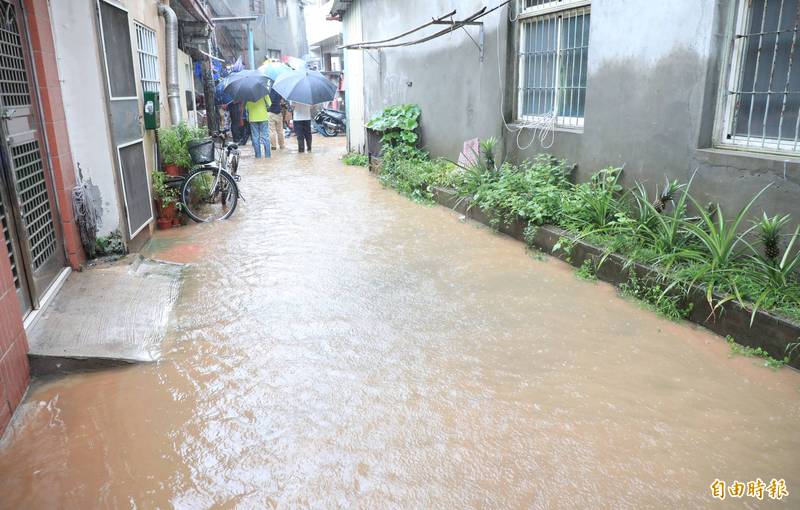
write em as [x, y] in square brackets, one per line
[330, 122]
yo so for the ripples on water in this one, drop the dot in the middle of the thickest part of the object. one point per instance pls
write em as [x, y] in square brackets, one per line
[336, 345]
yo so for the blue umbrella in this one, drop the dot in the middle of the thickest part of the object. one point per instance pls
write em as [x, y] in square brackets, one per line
[307, 87]
[273, 69]
[248, 85]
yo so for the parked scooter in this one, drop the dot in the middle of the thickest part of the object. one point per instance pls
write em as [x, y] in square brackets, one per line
[330, 122]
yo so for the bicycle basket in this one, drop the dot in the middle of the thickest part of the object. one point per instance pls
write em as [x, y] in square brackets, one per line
[201, 151]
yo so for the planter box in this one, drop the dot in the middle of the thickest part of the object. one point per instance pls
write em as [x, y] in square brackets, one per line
[769, 332]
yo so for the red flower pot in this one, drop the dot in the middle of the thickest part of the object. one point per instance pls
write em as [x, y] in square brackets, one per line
[173, 170]
[164, 223]
[169, 212]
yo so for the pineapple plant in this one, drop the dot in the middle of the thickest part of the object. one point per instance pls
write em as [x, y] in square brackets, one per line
[770, 230]
[666, 195]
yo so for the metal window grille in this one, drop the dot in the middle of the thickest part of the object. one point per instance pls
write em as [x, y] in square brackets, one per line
[34, 201]
[762, 107]
[274, 54]
[553, 67]
[147, 48]
[257, 6]
[540, 6]
[7, 238]
[282, 7]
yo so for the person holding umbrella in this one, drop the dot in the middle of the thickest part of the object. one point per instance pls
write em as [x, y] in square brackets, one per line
[302, 126]
[276, 121]
[252, 89]
[304, 88]
[258, 114]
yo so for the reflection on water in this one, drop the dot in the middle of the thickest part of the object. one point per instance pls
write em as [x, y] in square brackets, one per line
[336, 345]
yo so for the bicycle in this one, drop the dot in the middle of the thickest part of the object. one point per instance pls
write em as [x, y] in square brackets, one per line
[209, 192]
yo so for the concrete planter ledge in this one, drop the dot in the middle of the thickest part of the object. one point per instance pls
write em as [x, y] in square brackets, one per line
[769, 332]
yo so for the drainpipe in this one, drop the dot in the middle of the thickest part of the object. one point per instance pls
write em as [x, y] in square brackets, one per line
[173, 90]
[251, 55]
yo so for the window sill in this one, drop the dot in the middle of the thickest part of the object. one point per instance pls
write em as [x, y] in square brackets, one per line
[517, 125]
[749, 152]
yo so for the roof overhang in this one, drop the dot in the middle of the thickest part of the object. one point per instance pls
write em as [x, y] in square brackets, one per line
[338, 8]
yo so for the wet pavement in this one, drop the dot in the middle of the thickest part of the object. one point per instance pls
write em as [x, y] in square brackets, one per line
[336, 346]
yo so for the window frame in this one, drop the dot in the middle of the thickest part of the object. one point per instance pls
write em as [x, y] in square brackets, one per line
[732, 64]
[145, 55]
[282, 12]
[551, 8]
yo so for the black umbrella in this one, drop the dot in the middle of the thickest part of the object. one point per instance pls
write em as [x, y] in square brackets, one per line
[307, 87]
[249, 85]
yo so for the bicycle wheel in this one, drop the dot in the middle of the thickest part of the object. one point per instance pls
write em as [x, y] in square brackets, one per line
[208, 198]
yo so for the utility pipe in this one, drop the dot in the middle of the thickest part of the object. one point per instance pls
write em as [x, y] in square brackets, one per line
[173, 90]
[251, 55]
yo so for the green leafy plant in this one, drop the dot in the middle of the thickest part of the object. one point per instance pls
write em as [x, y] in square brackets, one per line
[663, 233]
[397, 123]
[532, 191]
[719, 242]
[587, 271]
[164, 193]
[757, 352]
[173, 143]
[651, 296]
[355, 159]
[110, 244]
[595, 204]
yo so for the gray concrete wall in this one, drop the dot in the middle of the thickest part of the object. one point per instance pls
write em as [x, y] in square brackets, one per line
[285, 34]
[652, 92]
[460, 97]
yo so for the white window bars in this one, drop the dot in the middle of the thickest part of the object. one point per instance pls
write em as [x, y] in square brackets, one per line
[147, 49]
[282, 8]
[762, 102]
[553, 66]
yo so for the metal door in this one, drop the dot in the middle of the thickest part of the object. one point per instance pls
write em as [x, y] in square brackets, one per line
[30, 228]
[126, 126]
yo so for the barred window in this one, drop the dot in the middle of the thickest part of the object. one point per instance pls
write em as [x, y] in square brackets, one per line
[762, 100]
[553, 60]
[147, 49]
[282, 7]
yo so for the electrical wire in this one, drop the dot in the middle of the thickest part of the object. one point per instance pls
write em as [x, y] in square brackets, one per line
[542, 128]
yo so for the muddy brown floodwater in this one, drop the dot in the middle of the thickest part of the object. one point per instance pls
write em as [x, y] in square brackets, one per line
[338, 346]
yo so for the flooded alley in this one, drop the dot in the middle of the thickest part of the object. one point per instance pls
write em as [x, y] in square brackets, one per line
[336, 345]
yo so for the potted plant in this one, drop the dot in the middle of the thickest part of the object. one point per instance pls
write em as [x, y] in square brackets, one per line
[174, 154]
[166, 198]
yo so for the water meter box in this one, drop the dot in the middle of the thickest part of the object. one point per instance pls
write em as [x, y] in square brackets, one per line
[152, 114]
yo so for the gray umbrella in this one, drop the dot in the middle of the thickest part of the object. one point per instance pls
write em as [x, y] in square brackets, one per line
[249, 85]
[304, 86]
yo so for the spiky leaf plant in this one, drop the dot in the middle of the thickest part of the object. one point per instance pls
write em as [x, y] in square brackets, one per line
[666, 195]
[770, 233]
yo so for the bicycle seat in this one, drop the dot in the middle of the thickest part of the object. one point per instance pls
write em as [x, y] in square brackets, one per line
[232, 145]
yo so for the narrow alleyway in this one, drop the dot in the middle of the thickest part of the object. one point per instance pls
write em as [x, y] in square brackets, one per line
[338, 346]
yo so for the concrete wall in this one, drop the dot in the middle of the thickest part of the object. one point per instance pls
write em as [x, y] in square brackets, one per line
[285, 34]
[460, 96]
[652, 92]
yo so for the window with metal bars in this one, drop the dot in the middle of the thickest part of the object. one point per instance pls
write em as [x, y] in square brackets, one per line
[762, 100]
[553, 60]
[147, 49]
[282, 7]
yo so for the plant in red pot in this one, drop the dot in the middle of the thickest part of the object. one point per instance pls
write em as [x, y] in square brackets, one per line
[166, 198]
[174, 153]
